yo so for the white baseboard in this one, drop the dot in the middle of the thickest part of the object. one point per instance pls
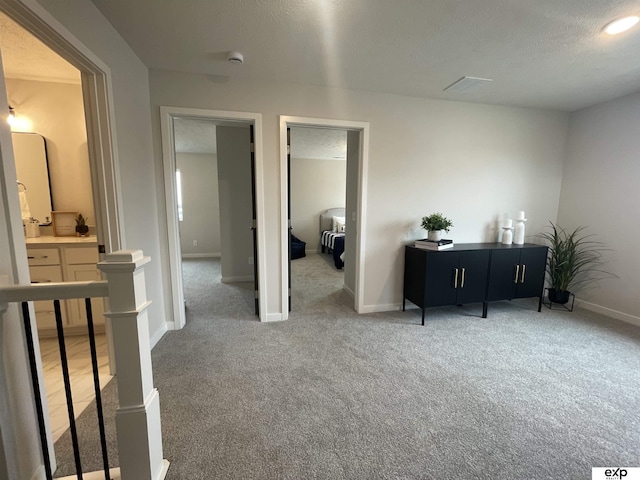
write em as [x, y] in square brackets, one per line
[201, 255]
[114, 473]
[350, 292]
[158, 334]
[385, 307]
[40, 474]
[246, 278]
[609, 312]
[273, 317]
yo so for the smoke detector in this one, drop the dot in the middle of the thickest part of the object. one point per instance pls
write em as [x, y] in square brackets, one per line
[235, 57]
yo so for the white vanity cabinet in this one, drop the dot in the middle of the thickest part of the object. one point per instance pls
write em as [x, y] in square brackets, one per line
[65, 259]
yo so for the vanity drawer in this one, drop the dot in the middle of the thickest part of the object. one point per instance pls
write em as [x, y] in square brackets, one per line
[45, 274]
[43, 256]
[78, 256]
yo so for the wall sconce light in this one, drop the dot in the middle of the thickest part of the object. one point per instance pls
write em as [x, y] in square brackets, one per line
[12, 116]
[18, 124]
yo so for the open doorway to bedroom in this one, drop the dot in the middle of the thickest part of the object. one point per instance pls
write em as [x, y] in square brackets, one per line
[318, 194]
[212, 167]
[344, 247]
[214, 205]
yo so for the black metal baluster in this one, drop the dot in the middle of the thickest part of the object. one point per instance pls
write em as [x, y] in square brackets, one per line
[36, 390]
[96, 384]
[67, 388]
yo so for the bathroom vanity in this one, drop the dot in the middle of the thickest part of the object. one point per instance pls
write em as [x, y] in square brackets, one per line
[65, 259]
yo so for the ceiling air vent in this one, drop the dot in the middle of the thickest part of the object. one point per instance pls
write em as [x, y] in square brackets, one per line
[467, 84]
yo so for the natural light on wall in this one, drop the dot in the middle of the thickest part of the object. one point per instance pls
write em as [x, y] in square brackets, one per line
[179, 194]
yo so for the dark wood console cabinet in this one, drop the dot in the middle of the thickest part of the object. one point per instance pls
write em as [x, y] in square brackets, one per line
[473, 273]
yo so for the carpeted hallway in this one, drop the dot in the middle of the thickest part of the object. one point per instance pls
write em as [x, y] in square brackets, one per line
[335, 395]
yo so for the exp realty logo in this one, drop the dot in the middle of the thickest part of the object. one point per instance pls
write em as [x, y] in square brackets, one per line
[615, 473]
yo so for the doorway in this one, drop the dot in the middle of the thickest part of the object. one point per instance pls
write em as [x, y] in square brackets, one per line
[317, 200]
[95, 92]
[357, 153]
[246, 265]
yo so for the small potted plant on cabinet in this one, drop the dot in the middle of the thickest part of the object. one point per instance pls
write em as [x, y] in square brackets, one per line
[81, 225]
[434, 224]
[574, 260]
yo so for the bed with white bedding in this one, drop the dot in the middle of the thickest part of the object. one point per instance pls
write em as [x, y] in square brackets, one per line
[332, 234]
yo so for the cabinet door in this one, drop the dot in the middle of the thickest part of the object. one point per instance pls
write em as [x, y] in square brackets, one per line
[473, 270]
[440, 276]
[77, 310]
[533, 262]
[502, 276]
[45, 315]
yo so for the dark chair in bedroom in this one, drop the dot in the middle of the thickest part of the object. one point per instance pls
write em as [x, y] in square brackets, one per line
[297, 247]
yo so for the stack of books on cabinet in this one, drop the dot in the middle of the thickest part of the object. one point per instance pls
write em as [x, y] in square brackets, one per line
[426, 244]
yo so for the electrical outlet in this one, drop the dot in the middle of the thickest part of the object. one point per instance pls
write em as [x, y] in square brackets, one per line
[250, 260]
[195, 243]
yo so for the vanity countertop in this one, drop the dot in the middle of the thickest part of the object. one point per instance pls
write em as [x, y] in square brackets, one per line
[51, 240]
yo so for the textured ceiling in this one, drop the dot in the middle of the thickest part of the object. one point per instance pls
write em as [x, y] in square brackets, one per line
[540, 53]
[193, 135]
[24, 56]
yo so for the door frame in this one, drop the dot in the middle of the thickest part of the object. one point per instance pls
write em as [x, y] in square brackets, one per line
[287, 121]
[97, 94]
[167, 115]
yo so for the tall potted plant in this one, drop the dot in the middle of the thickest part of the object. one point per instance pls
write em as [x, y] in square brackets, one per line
[434, 224]
[574, 260]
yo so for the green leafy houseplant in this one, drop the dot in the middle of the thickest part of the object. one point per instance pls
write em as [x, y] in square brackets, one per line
[435, 222]
[574, 260]
[81, 225]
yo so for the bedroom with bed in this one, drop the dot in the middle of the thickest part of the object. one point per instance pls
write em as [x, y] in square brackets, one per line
[318, 191]
[332, 234]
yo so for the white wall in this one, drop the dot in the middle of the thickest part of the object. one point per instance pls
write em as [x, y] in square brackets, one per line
[201, 209]
[234, 174]
[56, 112]
[600, 190]
[475, 163]
[143, 226]
[315, 186]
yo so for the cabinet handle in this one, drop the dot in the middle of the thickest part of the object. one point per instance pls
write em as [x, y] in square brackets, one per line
[37, 257]
[455, 280]
[40, 281]
[515, 280]
[524, 268]
[462, 281]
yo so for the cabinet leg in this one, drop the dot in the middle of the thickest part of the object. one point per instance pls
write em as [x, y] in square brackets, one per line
[403, 302]
[484, 309]
[423, 317]
[540, 303]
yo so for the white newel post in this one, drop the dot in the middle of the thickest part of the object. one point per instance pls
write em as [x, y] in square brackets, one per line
[138, 415]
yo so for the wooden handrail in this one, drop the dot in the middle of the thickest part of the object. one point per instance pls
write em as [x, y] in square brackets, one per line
[53, 291]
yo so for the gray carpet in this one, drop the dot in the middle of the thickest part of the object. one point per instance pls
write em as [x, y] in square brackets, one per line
[335, 395]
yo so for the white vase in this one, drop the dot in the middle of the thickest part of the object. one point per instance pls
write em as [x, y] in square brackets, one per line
[434, 235]
[507, 236]
[518, 232]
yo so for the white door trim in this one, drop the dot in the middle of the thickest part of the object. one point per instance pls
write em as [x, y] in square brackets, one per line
[99, 114]
[363, 166]
[167, 115]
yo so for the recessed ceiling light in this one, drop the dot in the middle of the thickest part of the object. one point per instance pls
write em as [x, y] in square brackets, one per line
[621, 25]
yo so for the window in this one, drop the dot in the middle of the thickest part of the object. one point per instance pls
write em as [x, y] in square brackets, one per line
[179, 194]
